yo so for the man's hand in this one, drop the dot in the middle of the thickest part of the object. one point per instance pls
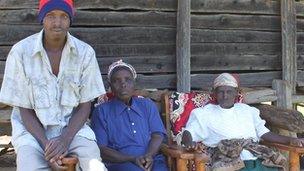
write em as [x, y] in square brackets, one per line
[145, 162]
[299, 142]
[56, 149]
[57, 166]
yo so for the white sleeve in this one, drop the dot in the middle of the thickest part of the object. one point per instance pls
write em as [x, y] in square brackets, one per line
[91, 81]
[259, 123]
[196, 125]
[15, 89]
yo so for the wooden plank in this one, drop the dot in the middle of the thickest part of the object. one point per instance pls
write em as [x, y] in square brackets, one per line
[123, 35]
[233, 36]
[199, 81]
[235, 48]
[289, 41]
[96, 18]
[121, 50]
[206, 50]
[215, 50]
[210, 6]
[183, 46]
[233, 21]
[167, 64]
[284, 93]
[2, 67]
[152, 18]
[258, 96]
[142, 64]
[4, 50]
[297, 99]
[10, 34]
[259, 79]
[235, 62]
[300, 78]
[161, 64]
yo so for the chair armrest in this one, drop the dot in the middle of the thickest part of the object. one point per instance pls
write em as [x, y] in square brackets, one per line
[285, 147]
[179, 152]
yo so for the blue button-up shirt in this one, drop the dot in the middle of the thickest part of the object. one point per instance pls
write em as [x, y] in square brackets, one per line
[127, 129]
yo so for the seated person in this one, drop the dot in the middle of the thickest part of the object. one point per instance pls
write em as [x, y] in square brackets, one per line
[227, 120]
[128, 129]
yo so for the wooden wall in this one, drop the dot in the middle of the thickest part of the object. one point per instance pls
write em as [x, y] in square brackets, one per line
[242, 36]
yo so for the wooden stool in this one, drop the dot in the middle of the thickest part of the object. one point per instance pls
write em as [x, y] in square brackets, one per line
[70, 162]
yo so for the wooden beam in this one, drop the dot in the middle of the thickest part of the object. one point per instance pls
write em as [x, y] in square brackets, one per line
[183, 46]
[289, 29]
[284, 93]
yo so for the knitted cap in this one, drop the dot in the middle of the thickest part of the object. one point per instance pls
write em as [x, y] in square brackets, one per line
[46, 6]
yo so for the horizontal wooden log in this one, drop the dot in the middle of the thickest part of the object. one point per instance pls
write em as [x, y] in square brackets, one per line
[10, 34]
[4, 50]
[210, 6]
[297, 98]
[96, 18]
[166, 64]
[198, 81]
[259, 79]
[200, 49]
[159, 64]
[300, 78]
[287, 119]
[151, 18]
[258, 96]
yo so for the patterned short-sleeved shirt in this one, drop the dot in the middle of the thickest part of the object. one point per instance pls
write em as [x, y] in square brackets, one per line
[29, 83]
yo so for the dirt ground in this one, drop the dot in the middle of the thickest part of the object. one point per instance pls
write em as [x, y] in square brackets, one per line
[7, 158]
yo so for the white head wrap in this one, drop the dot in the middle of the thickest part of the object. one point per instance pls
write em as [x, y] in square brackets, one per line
[120, 63]
[225, 79]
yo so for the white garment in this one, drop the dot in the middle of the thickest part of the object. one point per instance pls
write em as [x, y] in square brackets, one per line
[211, 124]
[29, 83]
[32, 159]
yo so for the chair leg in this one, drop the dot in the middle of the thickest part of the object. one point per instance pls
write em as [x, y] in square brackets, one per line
[200, 165]
[294, 161]
[181, 165]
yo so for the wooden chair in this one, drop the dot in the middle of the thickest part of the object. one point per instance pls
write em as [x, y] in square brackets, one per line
[183, 157]
[294, 154]
[178, 158]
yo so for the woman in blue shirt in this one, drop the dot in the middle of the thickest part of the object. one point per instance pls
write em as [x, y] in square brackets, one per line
[128, 129]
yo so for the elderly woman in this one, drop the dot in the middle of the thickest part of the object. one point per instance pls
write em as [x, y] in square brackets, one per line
[129, 130]
[227, 121]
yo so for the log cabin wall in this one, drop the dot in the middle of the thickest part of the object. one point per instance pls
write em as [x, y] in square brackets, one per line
[241, 36]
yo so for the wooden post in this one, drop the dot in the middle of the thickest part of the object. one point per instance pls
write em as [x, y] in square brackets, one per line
[183, 46]
[284, 93]
[289, 30]
[284, 100]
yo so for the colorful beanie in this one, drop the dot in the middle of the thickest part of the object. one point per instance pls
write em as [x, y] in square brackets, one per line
[46, 6]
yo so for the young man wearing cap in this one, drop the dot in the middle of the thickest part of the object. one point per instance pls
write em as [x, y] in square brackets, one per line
[50, 78]
[226, 119]
[128, 129]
